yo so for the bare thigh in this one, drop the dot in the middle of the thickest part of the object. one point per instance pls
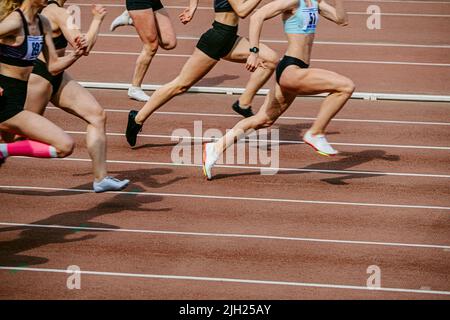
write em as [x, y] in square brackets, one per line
[145, 24]
[311, 81]
[77, 100]
[38, 95]
[36, 127]
[197, 66]
[166, 33]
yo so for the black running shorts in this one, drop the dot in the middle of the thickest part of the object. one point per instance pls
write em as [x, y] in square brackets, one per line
[144, 4]
[218, 41]
[12, 101]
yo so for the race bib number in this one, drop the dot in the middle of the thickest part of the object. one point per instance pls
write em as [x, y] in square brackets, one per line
[35, 45]
[310, 19]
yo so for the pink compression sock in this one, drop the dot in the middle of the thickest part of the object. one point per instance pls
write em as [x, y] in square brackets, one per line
[28, 148]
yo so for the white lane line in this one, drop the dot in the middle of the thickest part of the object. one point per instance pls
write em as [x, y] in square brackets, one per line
[299, 118]
[371, 1]
[428, 64]
[318, 42]
[173, 137]
[402, 1]
[224, 115]
[218, 197]
[228, 280]
[396, 14]
[420, 15]
[372, 96]
[314, 60]
[173, 164]
[229, 235]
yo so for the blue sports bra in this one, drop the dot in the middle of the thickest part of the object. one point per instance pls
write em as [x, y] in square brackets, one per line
[25, 54]
[304, 20]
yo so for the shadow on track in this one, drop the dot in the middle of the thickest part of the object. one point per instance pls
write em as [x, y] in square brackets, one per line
[145, 177]
[33, 237]
[215, 81]
[347, 161]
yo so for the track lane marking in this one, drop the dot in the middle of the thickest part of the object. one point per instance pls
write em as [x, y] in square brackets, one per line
[318, 42]
[174, 164]
[116, 134]
[371, 96]
[234, 198]
[170, 55]
[230, 235]
[394, 14]
[371, 1]
[225, 115]
[227, 280]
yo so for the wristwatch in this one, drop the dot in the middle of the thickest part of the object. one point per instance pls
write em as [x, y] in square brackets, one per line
[254, 50]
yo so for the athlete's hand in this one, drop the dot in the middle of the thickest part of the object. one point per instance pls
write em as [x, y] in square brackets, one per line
[82, 41]
[99, 12]
[1, 91]
[253, 62]
[187, 15]
[80, 45]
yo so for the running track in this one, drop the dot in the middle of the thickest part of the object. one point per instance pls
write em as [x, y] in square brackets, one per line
[309, 232]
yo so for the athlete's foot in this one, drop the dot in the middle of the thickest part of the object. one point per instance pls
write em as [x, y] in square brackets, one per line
[245, 112]
[138, 94]
[319, 143]
[210, 157]
[110, 184]
[132, 128]
[123, 20]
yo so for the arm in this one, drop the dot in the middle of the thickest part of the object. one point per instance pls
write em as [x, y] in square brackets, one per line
[60, 16]
[269, 11]
[336, 14]
[55, 64]
[244, 7]
[188, 14]
[99, 13]
[10, 25]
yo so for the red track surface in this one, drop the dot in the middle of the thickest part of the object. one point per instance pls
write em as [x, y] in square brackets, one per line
[386, 203]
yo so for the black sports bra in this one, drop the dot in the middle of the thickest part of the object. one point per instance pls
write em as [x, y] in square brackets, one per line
[222, 6]
[25, 54]
[60, 41]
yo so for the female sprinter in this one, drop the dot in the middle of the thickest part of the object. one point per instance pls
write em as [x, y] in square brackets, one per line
[293, 75]
[219, 42]
[67, 94]
[152, 23]
[23, 35]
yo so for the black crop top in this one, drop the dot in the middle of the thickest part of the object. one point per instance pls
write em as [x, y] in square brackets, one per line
[23, 55]
[222, 6]
[60, 41]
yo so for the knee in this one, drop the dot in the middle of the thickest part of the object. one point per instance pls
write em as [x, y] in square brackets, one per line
[263, 122]
[272, 59]
[179, 87]
[98, 118]
[150, 48]
[65, 147]
[347, 87]
[169, 44]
